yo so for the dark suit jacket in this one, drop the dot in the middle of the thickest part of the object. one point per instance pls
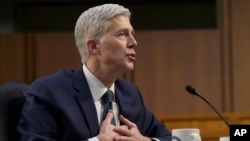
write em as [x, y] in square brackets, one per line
[61, 108]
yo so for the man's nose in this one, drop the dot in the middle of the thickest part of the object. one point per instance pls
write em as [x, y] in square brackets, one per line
[132, 42]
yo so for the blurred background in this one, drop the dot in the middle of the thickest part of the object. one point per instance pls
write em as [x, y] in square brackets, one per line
[202, 43]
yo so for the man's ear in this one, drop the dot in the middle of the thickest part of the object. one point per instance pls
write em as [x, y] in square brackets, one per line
[92, 46]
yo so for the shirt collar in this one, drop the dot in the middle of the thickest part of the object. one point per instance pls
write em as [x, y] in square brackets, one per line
[97, 88]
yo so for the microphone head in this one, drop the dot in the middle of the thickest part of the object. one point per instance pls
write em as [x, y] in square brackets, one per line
[191, 90]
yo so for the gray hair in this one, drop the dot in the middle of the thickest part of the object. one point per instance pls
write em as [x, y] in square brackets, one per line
[93, 23]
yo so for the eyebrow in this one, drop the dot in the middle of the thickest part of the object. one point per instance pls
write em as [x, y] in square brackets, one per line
[126, 30]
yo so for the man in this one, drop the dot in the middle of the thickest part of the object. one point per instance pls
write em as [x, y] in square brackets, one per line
[68, 105]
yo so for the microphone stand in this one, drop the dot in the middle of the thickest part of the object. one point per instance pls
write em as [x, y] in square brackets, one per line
[193, 91]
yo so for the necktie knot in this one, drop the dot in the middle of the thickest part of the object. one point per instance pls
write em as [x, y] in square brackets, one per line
[108, 97]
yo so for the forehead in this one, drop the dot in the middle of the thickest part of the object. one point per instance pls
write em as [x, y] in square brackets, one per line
[120, 22]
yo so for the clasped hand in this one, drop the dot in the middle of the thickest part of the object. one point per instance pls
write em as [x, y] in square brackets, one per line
[126, 132]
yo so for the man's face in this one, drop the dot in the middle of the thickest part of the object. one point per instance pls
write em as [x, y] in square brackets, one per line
[117, 45]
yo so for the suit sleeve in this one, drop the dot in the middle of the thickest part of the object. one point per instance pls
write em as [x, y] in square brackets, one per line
[39, 115]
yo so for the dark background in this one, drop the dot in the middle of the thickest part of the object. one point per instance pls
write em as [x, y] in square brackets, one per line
[61, 15]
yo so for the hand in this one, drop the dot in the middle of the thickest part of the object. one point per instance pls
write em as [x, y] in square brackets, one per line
[107, 129]
[129, 132]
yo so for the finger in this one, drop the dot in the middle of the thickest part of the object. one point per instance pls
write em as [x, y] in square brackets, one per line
[122, 130]
[123, 126]
[109, 116]
[126, 122]
[124, 138]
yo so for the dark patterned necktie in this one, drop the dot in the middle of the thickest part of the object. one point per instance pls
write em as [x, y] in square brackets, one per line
[107, 104]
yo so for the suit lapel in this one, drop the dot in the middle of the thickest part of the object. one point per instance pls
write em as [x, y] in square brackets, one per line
[122, 101]
[85, 100]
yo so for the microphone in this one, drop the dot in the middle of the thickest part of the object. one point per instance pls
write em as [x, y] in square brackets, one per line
[193, 91]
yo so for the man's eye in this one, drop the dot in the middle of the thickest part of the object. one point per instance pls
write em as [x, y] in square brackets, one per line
[122, 34]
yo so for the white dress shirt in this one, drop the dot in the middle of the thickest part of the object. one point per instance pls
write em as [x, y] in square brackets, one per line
[97, 90]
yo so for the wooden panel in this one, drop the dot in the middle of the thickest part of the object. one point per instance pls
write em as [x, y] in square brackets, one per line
[12, 58]
[169, 60]
[241, 53]
[226, 54]
[210, 125]
[55, 51]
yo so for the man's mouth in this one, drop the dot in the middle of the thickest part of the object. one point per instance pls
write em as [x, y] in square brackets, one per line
[132, 56]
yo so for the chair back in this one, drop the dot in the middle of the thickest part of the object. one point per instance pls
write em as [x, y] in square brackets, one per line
[12, 99]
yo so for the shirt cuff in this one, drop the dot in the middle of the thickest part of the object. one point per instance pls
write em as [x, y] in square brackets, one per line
[93, 139]
[155, 139]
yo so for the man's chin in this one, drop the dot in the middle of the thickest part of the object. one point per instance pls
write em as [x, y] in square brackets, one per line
[130, 66]
[126, 72]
